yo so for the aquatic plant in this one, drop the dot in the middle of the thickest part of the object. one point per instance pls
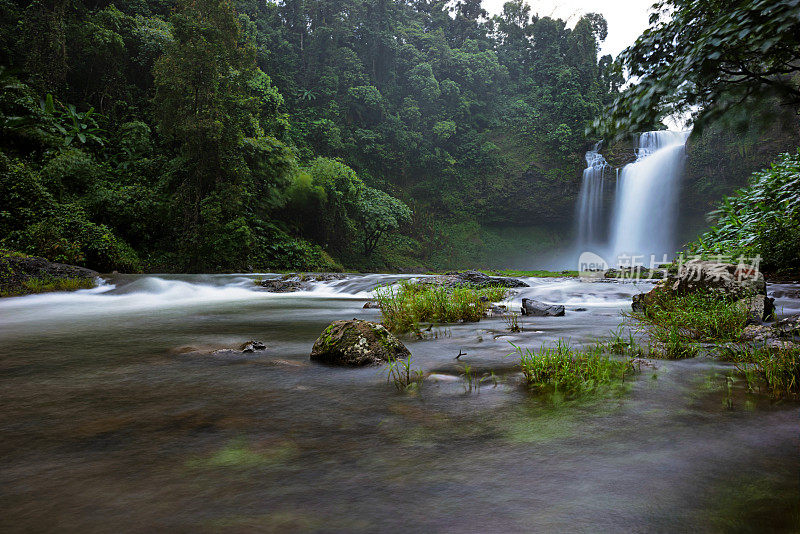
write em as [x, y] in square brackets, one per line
[571, 372]
[512, 322]
[621, 345]
[406, 305]
[776, 368]
[402, 376]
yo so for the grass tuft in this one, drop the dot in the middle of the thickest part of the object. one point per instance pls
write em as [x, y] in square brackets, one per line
[775, 368]
[676, 321]
[406, 305]
[402, 376]
[569, 372]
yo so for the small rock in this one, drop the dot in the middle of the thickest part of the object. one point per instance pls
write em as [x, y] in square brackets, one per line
[789, 326]
[371, 305]
[541, 309]
[252, 346]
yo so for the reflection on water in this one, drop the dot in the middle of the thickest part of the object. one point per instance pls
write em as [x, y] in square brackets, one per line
[106, 425]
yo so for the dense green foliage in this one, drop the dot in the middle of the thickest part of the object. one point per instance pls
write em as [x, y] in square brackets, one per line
[762, 219]
[709, 58]
[406, 305]
[216, 135]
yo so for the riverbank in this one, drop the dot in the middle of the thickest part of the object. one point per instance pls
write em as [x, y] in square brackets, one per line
[21, 274]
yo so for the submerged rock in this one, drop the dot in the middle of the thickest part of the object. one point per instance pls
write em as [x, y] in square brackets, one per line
[475, 279]
[541, 309]
[290, 283]
[356, 343]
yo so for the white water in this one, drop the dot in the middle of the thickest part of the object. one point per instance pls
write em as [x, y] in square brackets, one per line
[153, 294]
[591, 232]
[643, 221]
[131, 298]
[645, 212]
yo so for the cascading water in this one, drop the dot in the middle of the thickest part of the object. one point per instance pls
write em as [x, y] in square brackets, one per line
[645, 211]
[645, 206]
[590, 201]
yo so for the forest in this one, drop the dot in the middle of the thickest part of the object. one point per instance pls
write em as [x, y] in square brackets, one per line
[213, 135]
[205, 135]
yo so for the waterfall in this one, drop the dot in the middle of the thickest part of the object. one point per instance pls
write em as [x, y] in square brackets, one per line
[644, 214]
[646, 205]
[591, 232]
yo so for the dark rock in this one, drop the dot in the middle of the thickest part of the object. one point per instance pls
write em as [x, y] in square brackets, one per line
[540, 309]
[252, 346]
[581, 309]
[759, 308]
[477, 279]
[789, 326]
[283, 286]
[15, 270]
[289, 283]
[371, 305]
[357, 343]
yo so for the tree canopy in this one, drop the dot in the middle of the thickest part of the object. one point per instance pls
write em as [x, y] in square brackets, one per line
[708, 58]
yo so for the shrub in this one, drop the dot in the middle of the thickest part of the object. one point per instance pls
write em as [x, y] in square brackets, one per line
[67, 236]
[762, 218]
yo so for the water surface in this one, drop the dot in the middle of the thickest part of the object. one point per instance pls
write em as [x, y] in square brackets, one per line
[111, 422]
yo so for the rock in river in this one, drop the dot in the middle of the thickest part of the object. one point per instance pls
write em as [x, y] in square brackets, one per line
[476, 279]
[290, 283]
[541, 309]
[355, 343]
[733, 282]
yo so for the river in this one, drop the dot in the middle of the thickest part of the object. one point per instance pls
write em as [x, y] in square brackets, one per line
[112, 421]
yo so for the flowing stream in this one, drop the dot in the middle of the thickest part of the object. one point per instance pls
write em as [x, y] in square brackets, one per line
[116, 417]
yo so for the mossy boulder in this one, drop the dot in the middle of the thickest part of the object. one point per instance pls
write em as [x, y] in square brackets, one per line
[356, 343]
[737, 283]
[21, 274]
